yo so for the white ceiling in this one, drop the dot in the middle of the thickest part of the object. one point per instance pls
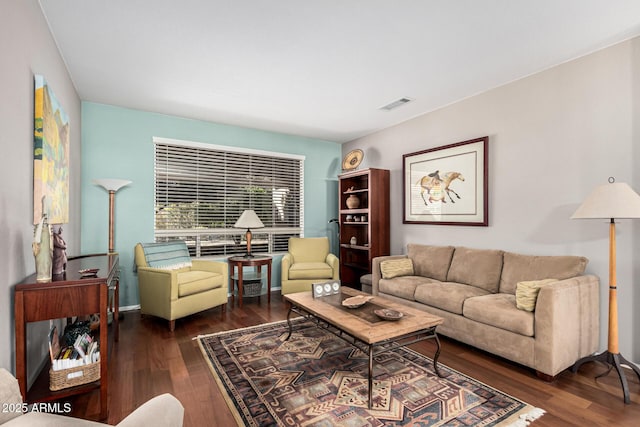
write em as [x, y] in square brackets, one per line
[319, 68]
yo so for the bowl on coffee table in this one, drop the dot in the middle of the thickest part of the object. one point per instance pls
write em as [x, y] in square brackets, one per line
[388, 314]
[357, 301]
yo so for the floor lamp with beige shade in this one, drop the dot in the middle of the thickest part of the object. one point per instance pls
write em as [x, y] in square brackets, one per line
[611, 201]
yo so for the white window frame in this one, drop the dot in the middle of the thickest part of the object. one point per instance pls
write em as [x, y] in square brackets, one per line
[197, 238]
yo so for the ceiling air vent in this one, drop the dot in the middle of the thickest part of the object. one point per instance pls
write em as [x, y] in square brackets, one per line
[396, 104]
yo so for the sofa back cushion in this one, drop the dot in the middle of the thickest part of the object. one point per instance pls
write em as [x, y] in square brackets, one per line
[476, 267]
[430, 261]
[520, 268]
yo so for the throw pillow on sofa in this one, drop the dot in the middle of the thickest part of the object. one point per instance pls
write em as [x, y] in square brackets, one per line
[396, 267]
[527, 293]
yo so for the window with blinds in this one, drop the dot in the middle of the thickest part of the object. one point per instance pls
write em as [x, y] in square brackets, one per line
[201, 190]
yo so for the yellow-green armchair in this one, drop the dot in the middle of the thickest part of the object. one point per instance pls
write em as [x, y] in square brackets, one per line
[172, 285]
[308, 260]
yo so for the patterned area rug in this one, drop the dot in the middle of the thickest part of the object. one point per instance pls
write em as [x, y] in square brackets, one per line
[318, 379]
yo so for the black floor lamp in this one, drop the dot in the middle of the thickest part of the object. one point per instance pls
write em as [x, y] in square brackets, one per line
[611, 201]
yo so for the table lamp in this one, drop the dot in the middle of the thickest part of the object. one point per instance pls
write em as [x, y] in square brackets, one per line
[248, 220]
[111, 185]
[611, 201]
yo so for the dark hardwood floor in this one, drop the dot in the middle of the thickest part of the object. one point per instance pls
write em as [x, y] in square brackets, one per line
[150, 360]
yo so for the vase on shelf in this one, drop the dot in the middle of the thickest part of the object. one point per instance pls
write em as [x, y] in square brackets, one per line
[353, 202]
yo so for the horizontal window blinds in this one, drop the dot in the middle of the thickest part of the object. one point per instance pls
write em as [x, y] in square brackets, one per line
[201, 192]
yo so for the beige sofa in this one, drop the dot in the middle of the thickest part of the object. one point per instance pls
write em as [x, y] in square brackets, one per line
[474, 290]
[161, 411]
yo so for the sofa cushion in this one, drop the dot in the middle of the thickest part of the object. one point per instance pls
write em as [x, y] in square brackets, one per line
[430, 261]
[500, 310]
[402, 287]
[519, 268]
[396, 267]
[527, 293]
[476, 267]
[310, 270]
[194, 282]
[447, 296]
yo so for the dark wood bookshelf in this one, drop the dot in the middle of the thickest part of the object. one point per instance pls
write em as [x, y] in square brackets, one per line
[371, 230]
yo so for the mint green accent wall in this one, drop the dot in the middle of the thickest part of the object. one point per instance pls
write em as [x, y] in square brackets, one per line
[118, 143]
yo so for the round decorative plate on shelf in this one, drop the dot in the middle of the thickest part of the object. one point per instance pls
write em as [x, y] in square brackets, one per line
[352, 160]
[388, 314]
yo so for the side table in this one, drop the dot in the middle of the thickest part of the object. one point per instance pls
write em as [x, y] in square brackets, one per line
[239, 262]
[68, 295]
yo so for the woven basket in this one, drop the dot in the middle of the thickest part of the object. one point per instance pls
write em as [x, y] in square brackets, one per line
[252, 289]
[65, 378]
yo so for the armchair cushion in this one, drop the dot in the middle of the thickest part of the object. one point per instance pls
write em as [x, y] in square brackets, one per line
[161, 411]
[309, 249]
[9, 396]
[310, 270]
[194, 281]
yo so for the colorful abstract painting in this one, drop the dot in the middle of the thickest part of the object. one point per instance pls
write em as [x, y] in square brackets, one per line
[50, 156]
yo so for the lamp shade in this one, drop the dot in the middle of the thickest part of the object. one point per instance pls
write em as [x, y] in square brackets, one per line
[248, 219]
[111, 184]
[613, 200]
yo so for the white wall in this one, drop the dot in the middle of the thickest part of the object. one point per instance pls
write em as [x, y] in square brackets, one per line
[27, 48]
[635, 159]
[553, 137]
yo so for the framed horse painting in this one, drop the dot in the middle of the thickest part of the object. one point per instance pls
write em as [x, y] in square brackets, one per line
[447, 185]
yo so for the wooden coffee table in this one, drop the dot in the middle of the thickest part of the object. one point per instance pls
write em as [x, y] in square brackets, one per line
[362, 328]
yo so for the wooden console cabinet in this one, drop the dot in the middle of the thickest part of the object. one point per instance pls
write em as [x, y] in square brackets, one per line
[67, 296]
[364, 230]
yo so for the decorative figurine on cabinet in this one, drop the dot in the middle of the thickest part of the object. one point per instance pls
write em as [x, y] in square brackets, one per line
[59, 253]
